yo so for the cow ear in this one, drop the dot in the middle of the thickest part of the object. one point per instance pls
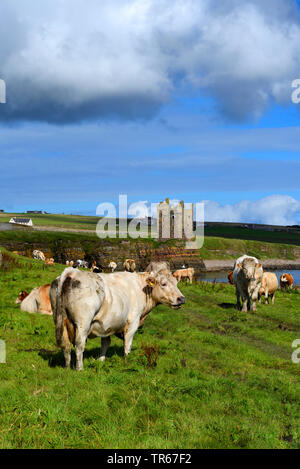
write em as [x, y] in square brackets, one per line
[239, 266]
[259, 266]
[151, 280]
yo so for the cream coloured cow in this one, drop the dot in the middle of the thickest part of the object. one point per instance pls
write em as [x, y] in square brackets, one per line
[129, 265]
[156, 266]
[247, 278]
[112, 266]
[37, 301]
[87, 305]
[184, 274]
[269, 285]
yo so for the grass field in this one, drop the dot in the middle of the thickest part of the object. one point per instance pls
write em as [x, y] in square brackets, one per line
[235, 232]
[60, 220]
[221, 378]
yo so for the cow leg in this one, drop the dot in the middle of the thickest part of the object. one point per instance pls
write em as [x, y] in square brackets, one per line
[273, 298]
[80, 341]
[105, 343]
[129, 332]
[259, 298]
[267, 296]
[245, 305]
[66, 348]
[254, 298]
[67, 355]
[238, 304]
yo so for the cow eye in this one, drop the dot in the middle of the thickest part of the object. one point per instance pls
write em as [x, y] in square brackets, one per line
[163, 284]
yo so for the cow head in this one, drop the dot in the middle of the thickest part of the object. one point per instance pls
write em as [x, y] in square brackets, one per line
[283, 278]
[250, 268]
[21, 296]
[164, 289]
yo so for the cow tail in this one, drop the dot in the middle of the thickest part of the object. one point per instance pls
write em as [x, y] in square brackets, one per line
[62, 324]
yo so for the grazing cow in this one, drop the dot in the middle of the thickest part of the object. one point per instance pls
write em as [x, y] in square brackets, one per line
[50, 261]
[112, 266]
[97, 269]
[286, 281]
[157, 266]
[184, 273]
[269, 285]
[38, 255]
[247, 277]
[230, 277]
[241, 258]
[129, 265]
[99, 305]
[37, 301]
[81, 263]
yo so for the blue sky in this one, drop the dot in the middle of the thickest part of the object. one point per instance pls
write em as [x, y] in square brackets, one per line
[189, 100]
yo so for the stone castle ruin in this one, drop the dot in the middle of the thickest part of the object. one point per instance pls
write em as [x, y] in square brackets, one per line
[174, 221]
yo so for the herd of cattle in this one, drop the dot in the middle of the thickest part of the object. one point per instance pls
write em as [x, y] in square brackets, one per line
[90, 303]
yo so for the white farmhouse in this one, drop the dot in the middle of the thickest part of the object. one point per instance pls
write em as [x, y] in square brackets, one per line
[21, 221]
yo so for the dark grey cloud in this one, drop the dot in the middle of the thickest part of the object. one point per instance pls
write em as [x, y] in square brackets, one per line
[68, 61]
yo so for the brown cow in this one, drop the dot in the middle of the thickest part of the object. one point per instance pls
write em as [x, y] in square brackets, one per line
[49, 261]
[37, 301]
[286, 281]
[21, 296]
[230, 277]
[184, 273]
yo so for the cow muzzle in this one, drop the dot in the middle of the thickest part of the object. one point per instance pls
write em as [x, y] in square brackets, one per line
[179, 303]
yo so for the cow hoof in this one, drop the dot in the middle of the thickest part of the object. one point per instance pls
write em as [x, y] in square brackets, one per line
[101, 359]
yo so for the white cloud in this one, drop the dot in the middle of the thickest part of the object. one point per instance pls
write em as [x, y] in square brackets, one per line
[271, 210]
[68, 60]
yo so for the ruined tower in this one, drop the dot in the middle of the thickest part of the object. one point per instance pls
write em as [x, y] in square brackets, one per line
[174, 221]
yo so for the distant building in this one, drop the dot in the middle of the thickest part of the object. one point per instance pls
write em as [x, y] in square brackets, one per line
[21, 221]
[174, 221]
[40, 212]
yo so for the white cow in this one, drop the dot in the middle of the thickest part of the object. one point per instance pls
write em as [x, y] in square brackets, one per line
[36, 254]
[92, 305]
[247, 278]
[112, 266]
